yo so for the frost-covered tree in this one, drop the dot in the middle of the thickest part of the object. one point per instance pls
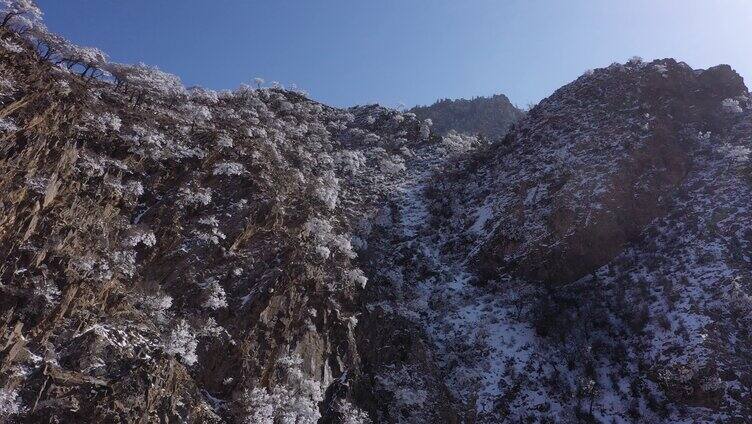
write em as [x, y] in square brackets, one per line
[200, 94]
[143, 80]
[47, 43]
[152, 143]
[635, 60]
[21, 14]
[88, 58]
[199, 114]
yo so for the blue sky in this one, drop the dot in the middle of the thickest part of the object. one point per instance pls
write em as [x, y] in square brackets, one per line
[346, 52]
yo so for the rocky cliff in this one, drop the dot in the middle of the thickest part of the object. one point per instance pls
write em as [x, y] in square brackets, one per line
[253, 256]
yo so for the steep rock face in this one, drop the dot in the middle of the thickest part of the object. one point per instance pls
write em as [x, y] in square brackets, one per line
[490, 117]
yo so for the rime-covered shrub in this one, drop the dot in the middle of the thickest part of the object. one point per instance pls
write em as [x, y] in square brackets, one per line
[182, 343]
[156, 145]
[200, 94]
[109, 121]
[7, 86]
[635, 61]
[20, 14]
[736, 153]
[425, 129]
[343, 244]
[406, 386]
[371, 138]
[455, 142]
[149, 79]
[351, 414]
[225, 141]
[294, 400]
[10, 403]
[48, 290]
[198, 113]
[392, 164]
[229, 169]
[327, 189]
[7, 125]
[215, 297]
[661, 69]
[319, 229]
[140, 236]
[351, 160]
[123, 261]
[320, 232]
[198, 196]
[731, 106]
[356, 277]
[323, 251]
[215, 235]
[11, 46]
[156, 305]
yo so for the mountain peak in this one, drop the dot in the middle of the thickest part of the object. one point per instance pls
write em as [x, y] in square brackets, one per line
[490, 117]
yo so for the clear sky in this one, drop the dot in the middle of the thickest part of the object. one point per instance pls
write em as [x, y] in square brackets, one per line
[346, 52]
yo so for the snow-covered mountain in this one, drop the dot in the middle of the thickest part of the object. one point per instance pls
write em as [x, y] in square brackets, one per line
[253, 256]
[592, 266]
